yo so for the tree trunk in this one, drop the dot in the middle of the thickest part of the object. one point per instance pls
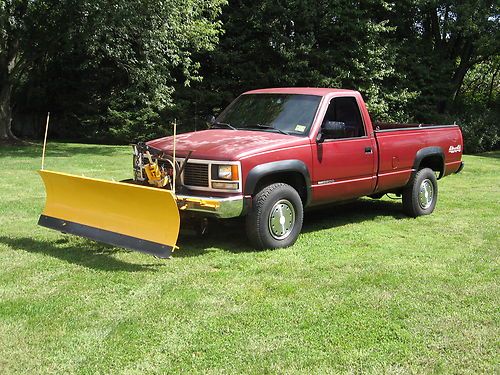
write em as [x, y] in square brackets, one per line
[8, 62]
[6, 112]
[492, 84]
[462, 69]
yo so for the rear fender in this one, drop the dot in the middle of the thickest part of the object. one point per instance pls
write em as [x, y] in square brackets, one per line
[430, 157]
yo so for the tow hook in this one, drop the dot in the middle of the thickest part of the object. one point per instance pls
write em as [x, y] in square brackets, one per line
[196, 227]
[203, 230]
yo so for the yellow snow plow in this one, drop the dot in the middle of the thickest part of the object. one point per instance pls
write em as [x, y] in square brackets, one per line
[130, 215]
[137, 217]
[141, 214]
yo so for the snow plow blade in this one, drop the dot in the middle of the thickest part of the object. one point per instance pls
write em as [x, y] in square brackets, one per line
[136, 217]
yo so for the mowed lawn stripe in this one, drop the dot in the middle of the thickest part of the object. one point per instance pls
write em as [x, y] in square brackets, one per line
[364, 288]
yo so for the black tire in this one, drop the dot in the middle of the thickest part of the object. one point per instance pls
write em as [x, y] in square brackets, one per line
[269, 206]
[420, 195]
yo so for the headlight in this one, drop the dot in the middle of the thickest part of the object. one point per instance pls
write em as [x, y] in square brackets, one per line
[225, 172]
[225, 176]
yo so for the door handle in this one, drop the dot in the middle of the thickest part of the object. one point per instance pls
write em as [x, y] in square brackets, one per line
[368, 150]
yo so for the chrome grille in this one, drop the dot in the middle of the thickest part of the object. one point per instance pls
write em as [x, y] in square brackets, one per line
[196, 174]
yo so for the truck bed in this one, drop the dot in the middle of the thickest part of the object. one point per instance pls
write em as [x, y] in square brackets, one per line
[389, 126]
[398, 145]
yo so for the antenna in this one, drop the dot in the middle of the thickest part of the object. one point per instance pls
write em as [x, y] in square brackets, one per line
[173, 156]
[45, 139]
[195, 115]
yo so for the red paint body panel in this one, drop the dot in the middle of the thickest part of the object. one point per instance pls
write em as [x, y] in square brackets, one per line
[227, 144]
[404, 145]
[340, 169]
[319, 91]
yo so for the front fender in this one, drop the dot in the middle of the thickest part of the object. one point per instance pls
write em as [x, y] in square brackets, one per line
[276, 167]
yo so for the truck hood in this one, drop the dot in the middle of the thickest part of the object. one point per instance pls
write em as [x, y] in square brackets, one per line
[227, 144]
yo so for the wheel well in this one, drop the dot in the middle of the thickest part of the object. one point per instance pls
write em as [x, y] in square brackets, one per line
[294, 179]
[434, 162]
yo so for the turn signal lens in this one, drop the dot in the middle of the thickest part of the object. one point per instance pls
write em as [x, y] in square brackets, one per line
[225, 185]
[234, 175]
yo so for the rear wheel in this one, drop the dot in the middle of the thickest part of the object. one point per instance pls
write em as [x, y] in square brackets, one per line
[420, 195]
[276, 217]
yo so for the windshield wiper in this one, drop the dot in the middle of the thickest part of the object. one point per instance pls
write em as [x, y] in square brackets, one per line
[224, 124]
[263, 126]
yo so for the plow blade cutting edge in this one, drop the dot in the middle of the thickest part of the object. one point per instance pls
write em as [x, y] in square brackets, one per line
[132, 216]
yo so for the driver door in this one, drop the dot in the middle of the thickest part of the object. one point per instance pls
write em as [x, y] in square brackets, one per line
[344, 163]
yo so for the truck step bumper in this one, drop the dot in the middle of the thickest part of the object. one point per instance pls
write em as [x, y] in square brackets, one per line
[222, 208]
[460, 168]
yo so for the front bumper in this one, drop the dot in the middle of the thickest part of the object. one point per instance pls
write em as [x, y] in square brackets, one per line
[222, 208]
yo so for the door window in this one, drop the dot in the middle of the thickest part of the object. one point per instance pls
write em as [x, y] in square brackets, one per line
[344, 113]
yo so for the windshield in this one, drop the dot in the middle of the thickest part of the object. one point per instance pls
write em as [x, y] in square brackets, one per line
[288, 113]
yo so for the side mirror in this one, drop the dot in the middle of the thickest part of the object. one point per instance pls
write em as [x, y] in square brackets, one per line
[331, 129]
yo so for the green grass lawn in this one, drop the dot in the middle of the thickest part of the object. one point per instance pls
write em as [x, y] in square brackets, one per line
[364, 289]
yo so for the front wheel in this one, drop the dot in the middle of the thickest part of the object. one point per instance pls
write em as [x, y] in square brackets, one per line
[276, 217]
[420, 196]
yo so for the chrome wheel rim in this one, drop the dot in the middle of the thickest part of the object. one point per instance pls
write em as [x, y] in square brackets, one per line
[281, 219]
[426, 194]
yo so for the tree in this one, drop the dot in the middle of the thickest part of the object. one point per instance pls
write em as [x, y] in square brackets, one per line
[440, 42]
[119, 69]
[479, 103]
[29, 31]
[133, 51]
[332, 43]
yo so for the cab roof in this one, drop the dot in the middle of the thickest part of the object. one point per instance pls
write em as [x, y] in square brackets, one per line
[319, 91]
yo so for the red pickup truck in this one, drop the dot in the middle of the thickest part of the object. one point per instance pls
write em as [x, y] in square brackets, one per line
[274, 152]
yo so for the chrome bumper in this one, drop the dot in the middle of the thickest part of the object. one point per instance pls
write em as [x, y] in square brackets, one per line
[213, 206]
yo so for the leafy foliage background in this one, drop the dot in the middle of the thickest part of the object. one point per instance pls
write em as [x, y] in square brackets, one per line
[118, 71]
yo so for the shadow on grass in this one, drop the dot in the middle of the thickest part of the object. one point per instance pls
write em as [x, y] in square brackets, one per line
[358, 211]
[87, 253]
[57, 150]
[230, 234]
[490, 154]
